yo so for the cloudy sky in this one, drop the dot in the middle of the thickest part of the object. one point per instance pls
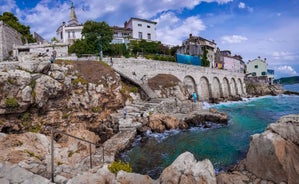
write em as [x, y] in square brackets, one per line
[250, 28]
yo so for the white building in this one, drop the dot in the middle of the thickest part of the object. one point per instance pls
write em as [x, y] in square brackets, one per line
[67, 33]
[142, 29]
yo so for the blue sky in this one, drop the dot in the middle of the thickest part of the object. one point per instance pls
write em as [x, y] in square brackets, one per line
[250, 28]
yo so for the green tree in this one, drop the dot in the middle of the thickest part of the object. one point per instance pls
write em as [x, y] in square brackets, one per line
[13, 21]
[204, 58]
[90, 42]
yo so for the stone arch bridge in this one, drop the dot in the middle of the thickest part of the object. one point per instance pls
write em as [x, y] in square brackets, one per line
[207, 82]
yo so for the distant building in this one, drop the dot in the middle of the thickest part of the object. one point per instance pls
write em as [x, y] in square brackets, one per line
[39, 38]
[258, 68]
[196, 45]
[121, 35]
[142, 29]
[71, 31]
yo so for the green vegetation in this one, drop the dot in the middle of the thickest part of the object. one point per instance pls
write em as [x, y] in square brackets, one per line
[26, 116]
[72, 152]
[160, 57]
[117, 50]
[65, 115]
[32, 154]
[91, 42]
[12, 20]
[10, 80]
[287, 80]
[204, 58]
[35, 129]
[79, 80]
[11, 103]
[116, 166]
[96, 109]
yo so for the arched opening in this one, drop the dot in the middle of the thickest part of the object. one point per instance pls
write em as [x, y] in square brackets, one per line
[240, 87]
[189, 85]
[226, 89]
[216, 88]
[204, 93]
[234, 89]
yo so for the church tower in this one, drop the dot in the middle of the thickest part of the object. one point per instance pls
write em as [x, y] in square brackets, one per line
[68, 33]
[73, 21]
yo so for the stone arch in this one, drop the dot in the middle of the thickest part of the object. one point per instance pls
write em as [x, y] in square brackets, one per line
[226, 88]
[240, 86]
[189, 84]
[216, 88]
[204, 92]
[234, 88]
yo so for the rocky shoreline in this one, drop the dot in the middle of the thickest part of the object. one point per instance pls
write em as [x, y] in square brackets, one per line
[81, 101]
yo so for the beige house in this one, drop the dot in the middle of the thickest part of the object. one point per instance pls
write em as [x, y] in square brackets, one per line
[258, 68]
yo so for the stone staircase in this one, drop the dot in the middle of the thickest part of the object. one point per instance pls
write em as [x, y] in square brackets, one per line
[134, 113]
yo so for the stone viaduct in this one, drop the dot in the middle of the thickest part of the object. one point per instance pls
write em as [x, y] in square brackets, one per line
[207, 82]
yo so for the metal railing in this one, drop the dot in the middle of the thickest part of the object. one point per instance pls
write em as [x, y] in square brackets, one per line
[78, 138]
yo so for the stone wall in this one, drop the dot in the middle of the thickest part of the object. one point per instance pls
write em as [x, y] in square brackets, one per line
[8, 38]
[44, 49]
[207, 82]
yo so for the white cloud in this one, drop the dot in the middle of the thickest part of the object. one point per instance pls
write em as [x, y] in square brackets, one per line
[233, 39]
[284, 55]
[48, 15]
[172, 30]
[286, 70]
[7, 6]
[242, 5]
[223, 1]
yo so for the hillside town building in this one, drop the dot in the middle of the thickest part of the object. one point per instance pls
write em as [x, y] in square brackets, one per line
[142, 29]
[71, 31]
[224, 60]
[195, 45]
[257, 68]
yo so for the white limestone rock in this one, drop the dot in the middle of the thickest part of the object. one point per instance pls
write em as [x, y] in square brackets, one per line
[185, 169]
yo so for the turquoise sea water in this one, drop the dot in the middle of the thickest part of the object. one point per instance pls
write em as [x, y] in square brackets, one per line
[223, 145]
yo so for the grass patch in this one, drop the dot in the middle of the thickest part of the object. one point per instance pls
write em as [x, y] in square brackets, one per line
[32, 154]
[11, 103]
[79, 80]
[96, 109]
[116, 166]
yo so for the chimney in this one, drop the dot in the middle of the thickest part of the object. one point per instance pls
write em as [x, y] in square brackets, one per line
[190, 35]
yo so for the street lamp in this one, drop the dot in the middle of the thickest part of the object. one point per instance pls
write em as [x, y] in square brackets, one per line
[100, 48]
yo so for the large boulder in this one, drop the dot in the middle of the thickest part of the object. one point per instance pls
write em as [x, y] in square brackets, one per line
[273, 155]
[185, 169]
[161, 122]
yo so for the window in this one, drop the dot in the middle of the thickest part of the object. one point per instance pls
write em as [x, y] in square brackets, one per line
[140, 35]
[68, 34]
[148, 26]
[139, 25]
[73, 34]
[256, 66]
[149, 36]
[253, 74]
[263, 73]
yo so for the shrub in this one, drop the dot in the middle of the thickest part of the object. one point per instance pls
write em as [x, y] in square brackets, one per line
[79, 79]
[116, 166]
[11, 103]
[10, 80]
[26, 116]
[96, 109]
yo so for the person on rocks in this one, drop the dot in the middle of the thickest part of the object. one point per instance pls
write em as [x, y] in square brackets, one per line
[125, 112]
[53, 56]
[194, 96]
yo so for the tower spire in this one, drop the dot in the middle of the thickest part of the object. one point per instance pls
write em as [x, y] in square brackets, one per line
[73, 21]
